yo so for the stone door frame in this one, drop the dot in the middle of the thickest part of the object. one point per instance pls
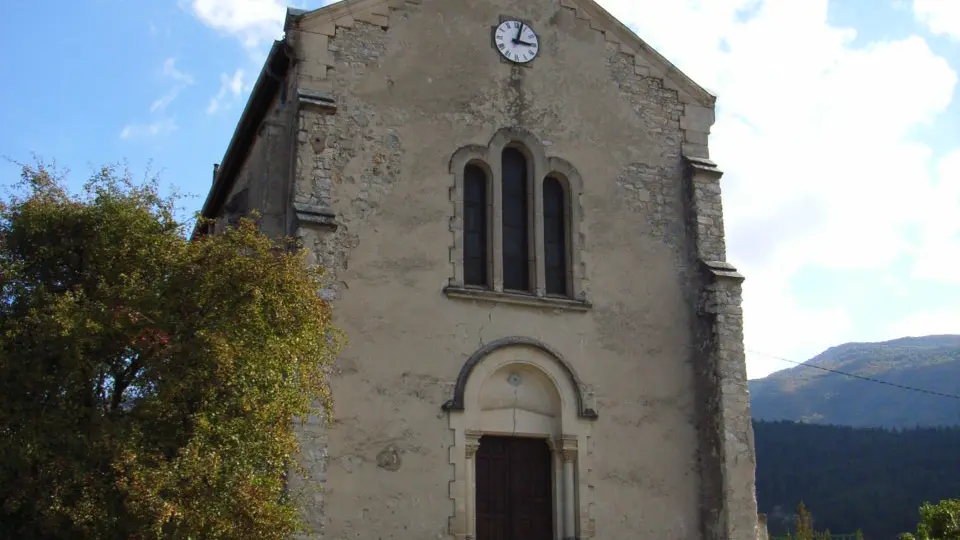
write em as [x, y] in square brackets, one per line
[563, 419]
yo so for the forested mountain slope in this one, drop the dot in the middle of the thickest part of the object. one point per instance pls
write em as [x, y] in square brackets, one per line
[806, 394]
[868, 478]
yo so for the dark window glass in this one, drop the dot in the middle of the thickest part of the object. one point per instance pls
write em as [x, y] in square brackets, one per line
[554, 236]
[516, 275]
[474, 226]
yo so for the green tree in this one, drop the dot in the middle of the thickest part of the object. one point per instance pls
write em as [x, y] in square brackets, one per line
[939, 521]
[149, 383]
[803, 526]
[852, 478]
[803, 523]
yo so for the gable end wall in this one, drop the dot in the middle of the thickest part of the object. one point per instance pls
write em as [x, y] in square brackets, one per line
[373, 160]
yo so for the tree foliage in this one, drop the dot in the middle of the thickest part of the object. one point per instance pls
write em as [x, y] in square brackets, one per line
[939, 521]
[149, 383]
[853, 478]
[803, 528]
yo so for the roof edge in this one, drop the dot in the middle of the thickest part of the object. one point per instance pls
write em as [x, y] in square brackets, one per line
[593, 9]
[293, 15]
[337, 9]
[671, 71]
[263, 93]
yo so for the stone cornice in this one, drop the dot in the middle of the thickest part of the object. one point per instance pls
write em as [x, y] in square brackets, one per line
[521, 299]
[722, 270]
[316, 216]
[320, 100]
[703, 165]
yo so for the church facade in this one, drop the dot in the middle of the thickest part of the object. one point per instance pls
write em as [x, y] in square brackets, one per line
[524, 237]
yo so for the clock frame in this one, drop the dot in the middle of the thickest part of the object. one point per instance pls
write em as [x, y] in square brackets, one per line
[516, 41]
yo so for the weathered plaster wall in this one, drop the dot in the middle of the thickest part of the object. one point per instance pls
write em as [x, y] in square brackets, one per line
[262, 182]
[412, 85]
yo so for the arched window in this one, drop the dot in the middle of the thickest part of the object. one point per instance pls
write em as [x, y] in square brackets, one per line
[515, 224]
[554, 236]
[475, 226]
[516, 273]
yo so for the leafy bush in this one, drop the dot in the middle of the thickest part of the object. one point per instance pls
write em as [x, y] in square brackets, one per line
[939, 521]
[149, 383]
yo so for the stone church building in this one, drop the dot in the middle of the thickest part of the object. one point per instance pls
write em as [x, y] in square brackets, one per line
[524, 234]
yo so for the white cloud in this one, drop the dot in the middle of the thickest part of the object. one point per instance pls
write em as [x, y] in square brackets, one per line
[941, 17]
[943, 321]
[251, 21]
[161, 103]
[937, 257]
[181, 80]
[164, 126]
[817, 138]
[170, 71]
[230, 90]
[153, 129]
[777, 326]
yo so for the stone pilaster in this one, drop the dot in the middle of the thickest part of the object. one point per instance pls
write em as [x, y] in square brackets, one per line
[311, 477]
[472, 447]
[315, 136]
[312, 220]
[568, 453]
[727, 458]
[705, 214]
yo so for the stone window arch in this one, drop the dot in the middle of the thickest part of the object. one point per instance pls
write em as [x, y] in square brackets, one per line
[519, 387]
[518, 222]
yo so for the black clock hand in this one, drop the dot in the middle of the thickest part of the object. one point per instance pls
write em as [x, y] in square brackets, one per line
[519, 32]
[518, 42]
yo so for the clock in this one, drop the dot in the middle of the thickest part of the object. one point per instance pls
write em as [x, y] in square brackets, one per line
[516, 41]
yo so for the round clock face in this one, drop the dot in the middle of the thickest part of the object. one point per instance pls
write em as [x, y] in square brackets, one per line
[516, 41]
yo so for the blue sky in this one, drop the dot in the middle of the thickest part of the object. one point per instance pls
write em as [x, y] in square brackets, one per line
[838, 127]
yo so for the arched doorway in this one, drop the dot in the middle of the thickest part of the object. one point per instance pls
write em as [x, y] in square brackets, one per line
[521, 446]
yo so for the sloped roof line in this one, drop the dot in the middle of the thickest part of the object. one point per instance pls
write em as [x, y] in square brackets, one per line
[606, 23]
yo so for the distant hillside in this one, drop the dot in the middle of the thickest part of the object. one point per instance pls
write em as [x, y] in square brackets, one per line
[806, 394]
[850, 478]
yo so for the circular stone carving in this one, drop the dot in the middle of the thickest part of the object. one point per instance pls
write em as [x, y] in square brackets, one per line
[515, 379]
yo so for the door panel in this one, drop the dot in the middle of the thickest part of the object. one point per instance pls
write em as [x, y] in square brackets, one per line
[514, 496]
[493, 476]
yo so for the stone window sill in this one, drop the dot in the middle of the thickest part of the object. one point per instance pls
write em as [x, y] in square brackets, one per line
[517, 298]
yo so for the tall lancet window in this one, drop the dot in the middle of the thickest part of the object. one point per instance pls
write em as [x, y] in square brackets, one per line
[516, 253]
[475, 226]
[555, 236]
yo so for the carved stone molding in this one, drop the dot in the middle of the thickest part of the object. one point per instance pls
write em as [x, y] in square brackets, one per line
[456, 404]
[473, 443]
[568, 447]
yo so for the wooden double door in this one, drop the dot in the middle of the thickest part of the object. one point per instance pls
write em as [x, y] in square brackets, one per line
[514, 489]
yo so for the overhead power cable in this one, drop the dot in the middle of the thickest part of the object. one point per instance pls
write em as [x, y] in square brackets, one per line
[861, 377]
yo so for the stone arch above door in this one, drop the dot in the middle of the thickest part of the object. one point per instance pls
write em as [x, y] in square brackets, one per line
[520, 387]
[457, 402]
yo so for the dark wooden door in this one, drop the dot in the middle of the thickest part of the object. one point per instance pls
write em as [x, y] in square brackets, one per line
[514, 495]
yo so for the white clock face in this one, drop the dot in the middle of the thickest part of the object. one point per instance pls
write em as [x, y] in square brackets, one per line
[516, 41]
